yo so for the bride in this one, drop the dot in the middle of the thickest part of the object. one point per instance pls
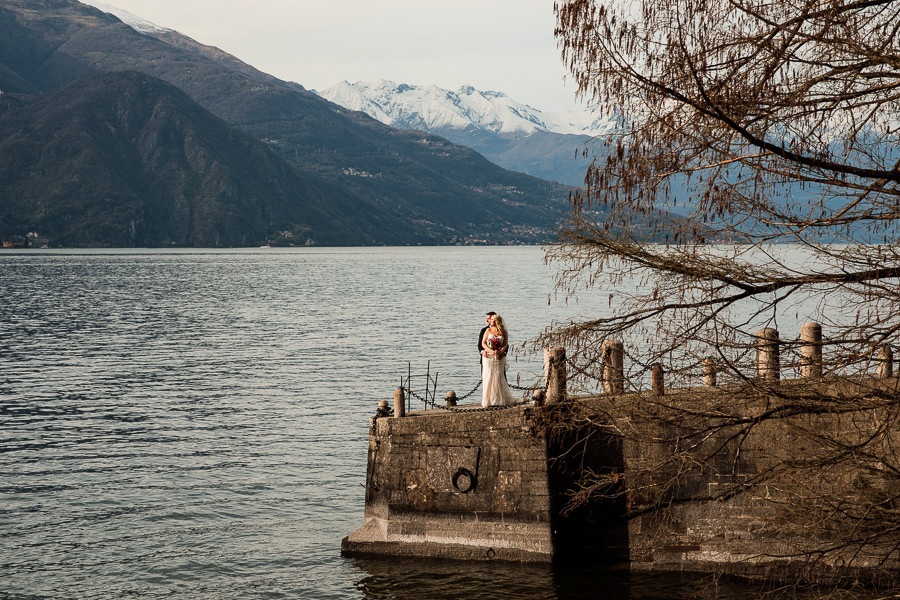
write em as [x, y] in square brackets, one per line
[493, 368]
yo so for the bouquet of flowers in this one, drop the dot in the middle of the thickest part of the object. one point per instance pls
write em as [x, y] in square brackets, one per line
[494, 343]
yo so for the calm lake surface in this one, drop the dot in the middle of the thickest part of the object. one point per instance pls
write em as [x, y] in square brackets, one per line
[193, 424]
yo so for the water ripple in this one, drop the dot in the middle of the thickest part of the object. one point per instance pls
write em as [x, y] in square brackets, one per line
[193, 424]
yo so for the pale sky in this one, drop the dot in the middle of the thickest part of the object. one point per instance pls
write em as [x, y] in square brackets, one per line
[501, 45]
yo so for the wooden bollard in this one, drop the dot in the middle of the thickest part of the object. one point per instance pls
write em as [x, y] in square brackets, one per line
[885, 362]
[811, 350]
[709, 372]
[399, 403]
[767, 361]
[656, 376]
[556, 378]
[538, 397]
[613, 366]
[450, 398]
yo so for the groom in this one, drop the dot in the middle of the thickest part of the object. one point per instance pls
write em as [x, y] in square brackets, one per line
[487, 318]
[481, 335]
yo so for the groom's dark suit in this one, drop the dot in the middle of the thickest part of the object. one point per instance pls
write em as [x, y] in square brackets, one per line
[480, 347]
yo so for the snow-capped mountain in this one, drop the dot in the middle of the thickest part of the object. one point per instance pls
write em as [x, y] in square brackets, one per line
[135, 22]
[432, 108]
[513, 135]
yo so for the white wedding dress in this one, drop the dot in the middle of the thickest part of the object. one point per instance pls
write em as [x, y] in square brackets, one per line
[495, 389]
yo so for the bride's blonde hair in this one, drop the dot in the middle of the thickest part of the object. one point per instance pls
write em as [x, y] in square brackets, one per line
[498, 321]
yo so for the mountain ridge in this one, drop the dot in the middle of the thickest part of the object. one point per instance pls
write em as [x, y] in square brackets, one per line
[124, 159]
[428, 189]
[511, 134]
[430, 107]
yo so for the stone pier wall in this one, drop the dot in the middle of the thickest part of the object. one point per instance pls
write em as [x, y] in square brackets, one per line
[741, 512]
[495, 485]
[748, 495]
[465, 485]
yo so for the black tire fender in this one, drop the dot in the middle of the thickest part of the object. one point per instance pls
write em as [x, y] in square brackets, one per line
[463, 480]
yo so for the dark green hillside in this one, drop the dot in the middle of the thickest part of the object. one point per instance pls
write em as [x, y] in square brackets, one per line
[407, 187]
[123, 159]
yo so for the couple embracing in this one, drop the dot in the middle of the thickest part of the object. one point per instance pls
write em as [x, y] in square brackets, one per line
[493, 342]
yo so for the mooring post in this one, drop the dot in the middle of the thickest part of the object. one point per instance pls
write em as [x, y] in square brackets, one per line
[556, 378]
[384, 409]
[885, 361]
[811, 350]
[709, 372]
[450, 397]
[613, 366]
[767, 362]
[656, 377]
[399, 404]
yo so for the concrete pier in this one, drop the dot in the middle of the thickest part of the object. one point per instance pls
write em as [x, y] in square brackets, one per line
[465, 483]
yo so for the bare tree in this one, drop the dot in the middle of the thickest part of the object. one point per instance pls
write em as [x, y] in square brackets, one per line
[753, 181]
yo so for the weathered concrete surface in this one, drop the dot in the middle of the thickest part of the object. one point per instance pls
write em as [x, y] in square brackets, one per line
[452, 537]
[467, 485]
[739, 511]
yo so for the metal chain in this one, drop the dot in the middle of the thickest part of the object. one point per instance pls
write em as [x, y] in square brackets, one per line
[531, 388]
[477, 385]
[484, 408]
[472, 391]
[421, 399]
[569, 361]
[434, 405]
[501, 407]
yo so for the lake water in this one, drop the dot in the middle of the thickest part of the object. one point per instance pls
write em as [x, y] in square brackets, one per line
[193, 424]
